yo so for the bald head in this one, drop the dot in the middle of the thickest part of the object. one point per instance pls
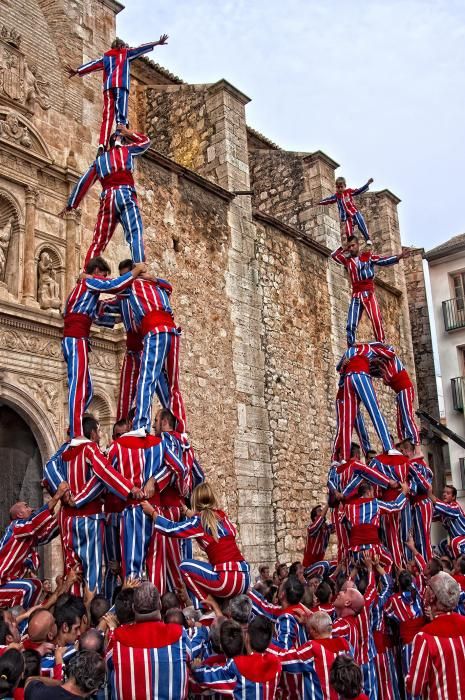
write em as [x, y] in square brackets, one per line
[42, 627]
[348, 602]
[320, 625]
[92, 640]
[20, 510]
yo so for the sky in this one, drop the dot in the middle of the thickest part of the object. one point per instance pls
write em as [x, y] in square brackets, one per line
[378, 85]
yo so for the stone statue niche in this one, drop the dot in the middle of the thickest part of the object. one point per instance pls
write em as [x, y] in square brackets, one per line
[48, 286]
[8, 242]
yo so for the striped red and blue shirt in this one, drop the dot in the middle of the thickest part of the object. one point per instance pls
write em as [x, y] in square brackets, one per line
[452, 517]
[361, 269]
[85, 295]
[117, 160]
[344, 200]
[253, 677]
[20, 540]
[365, 351]
[115, 65]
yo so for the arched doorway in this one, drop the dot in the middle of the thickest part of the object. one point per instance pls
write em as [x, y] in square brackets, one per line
[21, 462]
[21, 466]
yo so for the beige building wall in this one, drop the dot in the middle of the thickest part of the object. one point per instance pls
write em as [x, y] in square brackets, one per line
[229, 219]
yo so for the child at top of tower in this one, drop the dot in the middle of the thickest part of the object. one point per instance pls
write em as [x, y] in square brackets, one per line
[116, 82]
[348, 212]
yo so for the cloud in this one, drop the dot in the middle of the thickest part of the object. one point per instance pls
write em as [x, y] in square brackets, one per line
[378, 85]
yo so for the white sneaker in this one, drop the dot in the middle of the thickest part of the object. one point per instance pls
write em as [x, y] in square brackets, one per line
[369, 242]
[100, 149]
[394, 452]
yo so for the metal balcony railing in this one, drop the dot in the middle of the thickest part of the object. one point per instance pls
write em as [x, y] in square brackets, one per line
[458, 392]
[454, 313]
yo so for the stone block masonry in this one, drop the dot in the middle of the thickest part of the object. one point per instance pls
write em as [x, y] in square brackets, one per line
[261, 305]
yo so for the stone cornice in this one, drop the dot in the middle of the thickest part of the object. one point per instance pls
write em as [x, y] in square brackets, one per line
[113, 5]
[228, 87]
[388, 287]
[50, 324]
[39, 161]
[292, 233]
[387, 193]
[319, 155]
[182, 171]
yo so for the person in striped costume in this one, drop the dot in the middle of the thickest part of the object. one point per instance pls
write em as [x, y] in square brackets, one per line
[82, 518]
[349, 215]
[115, 66]
[361, 269]
[438, 650]
[452, 516]
[79, 313]
[148, 659]
[421, 504]
[396, 377]
[251, 672]
[118, 200]
[26, 530]
[226, 574]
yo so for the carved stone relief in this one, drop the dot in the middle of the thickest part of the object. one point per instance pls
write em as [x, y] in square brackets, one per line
[48, 287]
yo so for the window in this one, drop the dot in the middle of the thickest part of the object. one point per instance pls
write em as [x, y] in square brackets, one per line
[458, 281]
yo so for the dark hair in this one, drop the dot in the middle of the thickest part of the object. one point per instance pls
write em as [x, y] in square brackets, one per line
[118, 44]
[435, 566]
[125, 264]
[293, 568]
[405, 579]
[231, 638]
[119, 424]
[124, 606]
[169, 600]
[263, 567]
[174, 616]
[323, 592]
[294, 590]
[461, 564]
[446, 564]
[352, 238]
[452, 488]
[92, 640]
[66, 614]
[98, 607]
[88, 670]
[5, 630]
[354, 447]
[364, 488]
[270, 595]
[279, 567]
[313, 512]
[89, 424]
[346, 677]
[97, 263]
[11, 669]
[260, 633]
[165, 414]
[32, 660]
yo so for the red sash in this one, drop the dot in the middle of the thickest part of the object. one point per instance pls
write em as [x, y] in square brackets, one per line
[123, 177]
[224, 551]
[133, 341]
[357, 364]
[155, 320]
[400, 381]
[77, 326]
[409, 629]
[93, 508]
[363, 286]
[364, 534]
[383, 641]
[418, 498]
[113, 504]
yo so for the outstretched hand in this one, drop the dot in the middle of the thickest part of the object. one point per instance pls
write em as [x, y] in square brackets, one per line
[71, 71]
[163, 40]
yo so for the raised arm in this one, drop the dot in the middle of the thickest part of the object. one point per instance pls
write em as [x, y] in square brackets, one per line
[387, 260]
[54, 473]
[97, 284]
[362, 189]
[113, 480]
[89, 67]
[138, 142]
[446, 510]
[136, 51]
[260, 606]
[393, 506]
[339, 257]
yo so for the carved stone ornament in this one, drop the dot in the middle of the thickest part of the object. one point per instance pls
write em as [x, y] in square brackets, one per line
[48, 289]
[25, 342]
[20, 82]
[12, 130]
[6, 233]
[45, 391]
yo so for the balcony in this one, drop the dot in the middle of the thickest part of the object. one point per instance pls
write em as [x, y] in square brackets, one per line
[458, 392]
[454, 314]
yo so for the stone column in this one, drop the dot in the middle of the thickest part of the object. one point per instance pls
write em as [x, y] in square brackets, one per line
[72, 219]
[28, 257]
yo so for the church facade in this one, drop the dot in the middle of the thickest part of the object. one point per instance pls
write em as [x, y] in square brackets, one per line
[229, 220]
